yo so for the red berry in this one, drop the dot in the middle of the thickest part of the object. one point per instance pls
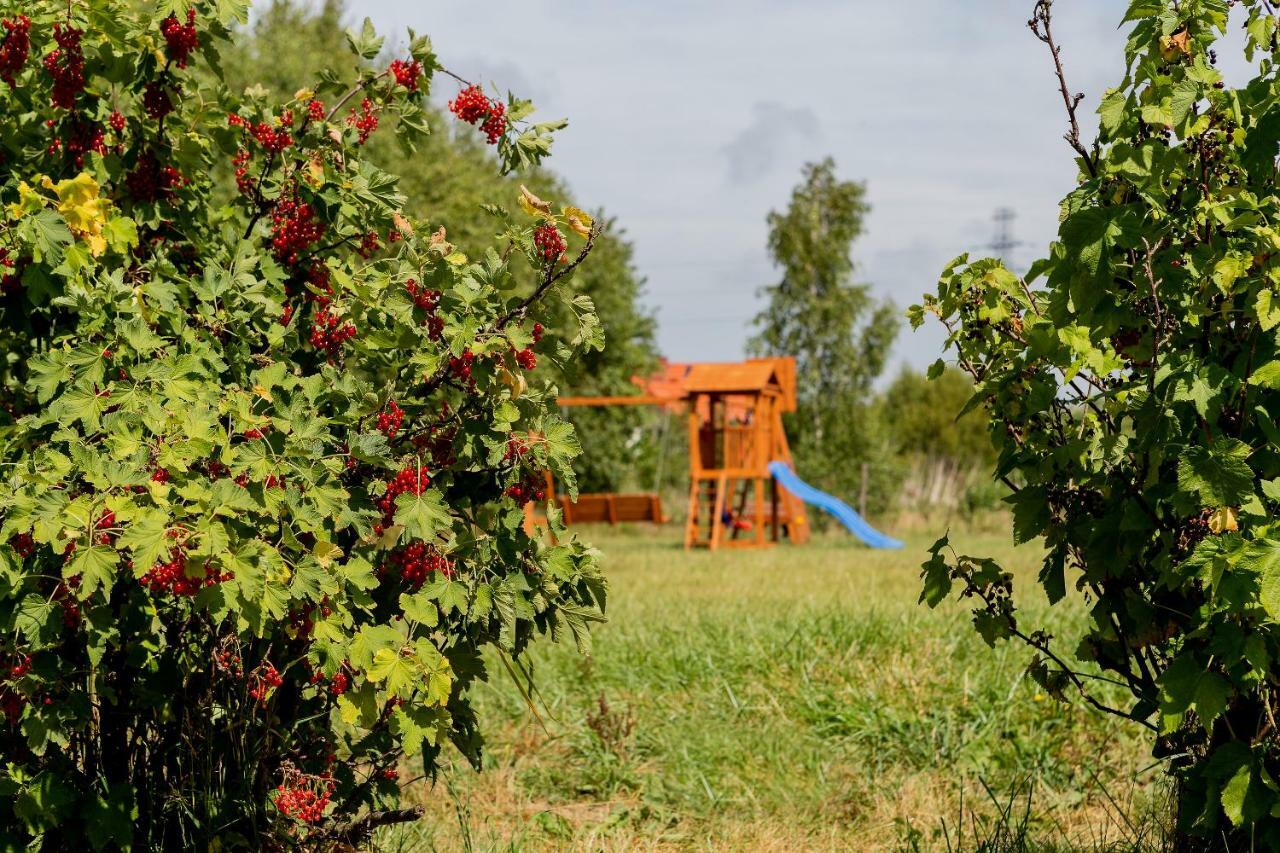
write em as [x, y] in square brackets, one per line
[406, 73]
[14, 48]
[549, 242]
[181, 39]
[473, 106]
[65, 64]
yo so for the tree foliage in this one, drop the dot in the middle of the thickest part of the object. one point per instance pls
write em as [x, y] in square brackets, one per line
[266, 434]
[838, 334]
[1132, 383]
[448, 177]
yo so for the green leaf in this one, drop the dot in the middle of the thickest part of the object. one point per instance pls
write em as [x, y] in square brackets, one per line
[424, 515]
[96, 567]
[396, 669]
[367, 43]
[110, 819]
[35, 620]
[146, 537]
[1267, 309]
[1267, 375]
[1219, 475]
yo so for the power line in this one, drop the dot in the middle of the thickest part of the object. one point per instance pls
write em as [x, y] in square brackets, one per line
[1003, 243]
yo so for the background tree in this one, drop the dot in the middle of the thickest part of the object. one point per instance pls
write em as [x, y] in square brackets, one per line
[449, 177]
[838, 333]
[943, 448]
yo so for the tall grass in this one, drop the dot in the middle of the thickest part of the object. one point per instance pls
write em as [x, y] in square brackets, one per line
[794, 698]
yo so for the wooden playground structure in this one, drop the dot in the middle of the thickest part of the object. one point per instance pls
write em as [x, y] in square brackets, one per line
[734, 418]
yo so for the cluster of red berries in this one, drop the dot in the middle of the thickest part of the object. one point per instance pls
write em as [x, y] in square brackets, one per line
[329, 332]
[253, 433]
[65, 64]
[14, 48]
[416, 561]
[365, 120]
[303, 797]
[9, 282]
[266, 678]
[437, 442]
[549, 242]
[171, 577]
[156, 102]
[149, 181]
[406, 73]
[473, 106]
[369, 245]
[225, 660]
[11, 701]
[526, 358]
[460, 365]
[429, 301]
[24, 544]
[537, 333]
[532, 487]
[516, 448]
[244, 182]
[390, 420]
[104, 525]
[410, 481]
[181, 39]
[63, 595]
[161, 475]
[339, 684]
[77, 136]
[273, 139]
[294, 229]
[315, 110]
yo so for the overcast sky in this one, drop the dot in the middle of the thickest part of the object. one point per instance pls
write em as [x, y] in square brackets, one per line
[690, 121]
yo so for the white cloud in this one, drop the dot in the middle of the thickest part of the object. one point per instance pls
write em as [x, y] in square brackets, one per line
[754, 151]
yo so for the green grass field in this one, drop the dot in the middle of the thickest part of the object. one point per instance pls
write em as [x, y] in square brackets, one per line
[788, 699]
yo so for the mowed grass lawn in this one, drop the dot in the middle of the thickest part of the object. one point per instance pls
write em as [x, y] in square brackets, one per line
[789, 699]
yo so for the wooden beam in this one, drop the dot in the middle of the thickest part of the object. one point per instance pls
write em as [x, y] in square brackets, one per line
[617, 401]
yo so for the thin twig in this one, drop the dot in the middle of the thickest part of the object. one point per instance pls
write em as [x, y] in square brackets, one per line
[1041, 25]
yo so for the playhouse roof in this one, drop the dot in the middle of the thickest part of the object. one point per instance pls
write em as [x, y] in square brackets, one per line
[730, 377]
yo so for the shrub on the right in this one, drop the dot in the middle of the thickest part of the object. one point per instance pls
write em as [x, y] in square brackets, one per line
[1133, 384]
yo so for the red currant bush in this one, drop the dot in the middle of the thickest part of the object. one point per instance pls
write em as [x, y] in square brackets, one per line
[253, 418]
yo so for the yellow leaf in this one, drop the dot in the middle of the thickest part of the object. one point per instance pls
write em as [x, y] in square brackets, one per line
[1224, 520]
[456, 259]
[29, 201]
[315, 171]
[83, 209]
[303, 95]
[514, 381]
[579, 221]
[390, 536]
[533, 205]
[1171, 46]
[263, 393]
[139, 299]
[326, 552]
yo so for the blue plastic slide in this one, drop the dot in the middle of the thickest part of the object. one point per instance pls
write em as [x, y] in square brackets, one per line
[843, 513]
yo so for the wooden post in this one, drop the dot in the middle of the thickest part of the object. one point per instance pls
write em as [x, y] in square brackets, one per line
[862, 493]
[717, 510]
